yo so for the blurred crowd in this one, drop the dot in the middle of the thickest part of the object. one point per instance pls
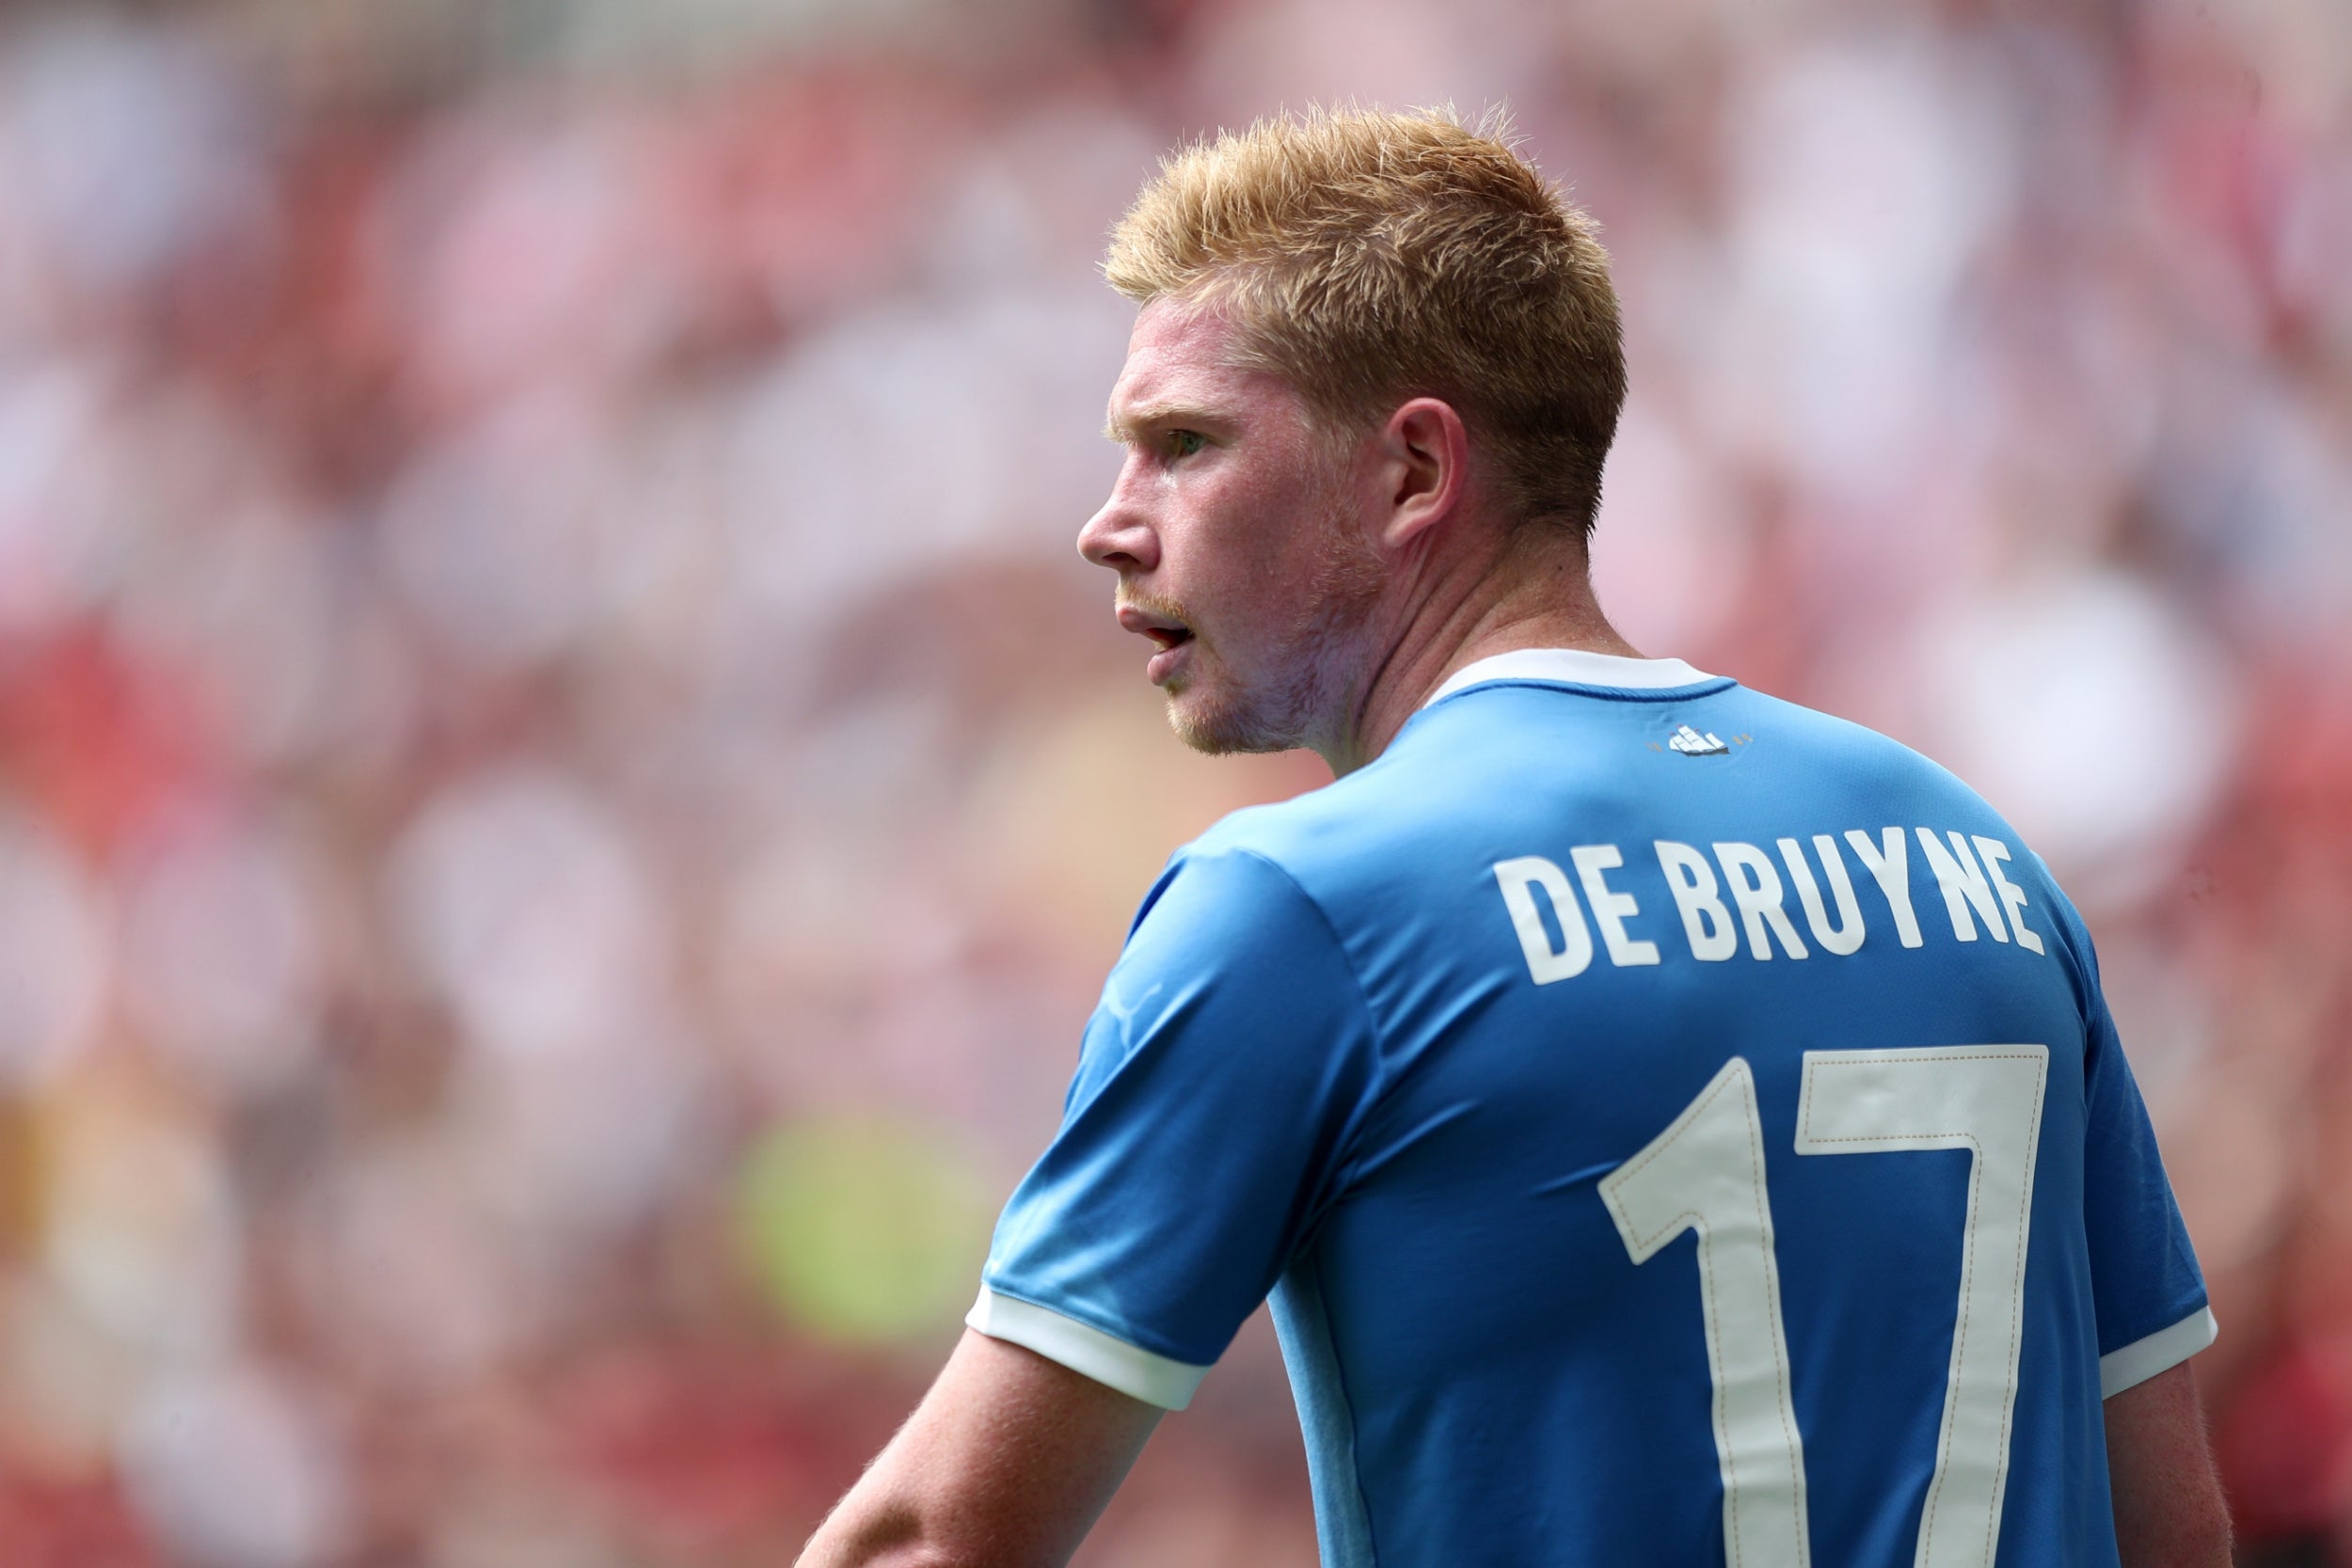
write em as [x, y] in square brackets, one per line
[563, 795]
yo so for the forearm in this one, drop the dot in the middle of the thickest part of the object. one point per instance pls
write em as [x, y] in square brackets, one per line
[876, 1525]
[2168, 1507]
[912, 1508]
[1006, 1464]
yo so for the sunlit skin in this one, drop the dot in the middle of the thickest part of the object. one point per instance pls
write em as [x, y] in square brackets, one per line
[1304, 589]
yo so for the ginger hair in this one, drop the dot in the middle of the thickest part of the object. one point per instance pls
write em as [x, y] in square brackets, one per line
[1369, 258]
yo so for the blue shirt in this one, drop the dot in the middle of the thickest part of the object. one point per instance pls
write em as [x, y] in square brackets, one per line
[1674, 1126]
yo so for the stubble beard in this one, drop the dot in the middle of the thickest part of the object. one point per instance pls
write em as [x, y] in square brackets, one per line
[1315, 665]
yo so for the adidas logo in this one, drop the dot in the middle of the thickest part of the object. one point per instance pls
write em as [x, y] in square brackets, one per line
[1693, 744]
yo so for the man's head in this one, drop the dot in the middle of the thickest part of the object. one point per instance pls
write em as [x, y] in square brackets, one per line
[1343, 315]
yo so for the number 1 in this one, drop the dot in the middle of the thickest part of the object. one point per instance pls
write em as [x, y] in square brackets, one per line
[1706, 1173]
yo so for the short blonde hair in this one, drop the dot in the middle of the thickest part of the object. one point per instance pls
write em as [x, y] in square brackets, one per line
[1372, 257]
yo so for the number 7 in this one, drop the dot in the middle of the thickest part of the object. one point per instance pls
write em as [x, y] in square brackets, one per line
[1706, 1173]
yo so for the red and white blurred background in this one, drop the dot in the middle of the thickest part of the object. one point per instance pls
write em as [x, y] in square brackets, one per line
[563, 795]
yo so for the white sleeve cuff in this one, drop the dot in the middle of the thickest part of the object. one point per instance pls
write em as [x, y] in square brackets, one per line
[2162, 1351]
[1083, 1348]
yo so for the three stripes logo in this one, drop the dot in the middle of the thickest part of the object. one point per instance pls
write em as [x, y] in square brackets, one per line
[1693, 744]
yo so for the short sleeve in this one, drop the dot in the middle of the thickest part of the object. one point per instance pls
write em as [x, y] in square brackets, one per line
[2147, 1289]
[1217, 1086]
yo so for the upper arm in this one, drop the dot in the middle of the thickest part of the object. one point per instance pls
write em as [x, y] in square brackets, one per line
[1009, 1461]
[2151, 1317]
[2148, 1292]
[1208, 1128]
[2168, 1509]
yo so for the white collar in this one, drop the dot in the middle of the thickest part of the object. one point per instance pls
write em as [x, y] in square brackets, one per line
[1575, 667]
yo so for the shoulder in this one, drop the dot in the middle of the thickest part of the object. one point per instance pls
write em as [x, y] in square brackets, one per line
[1867, 755]
[1302, 842]
[1913, 790]
[1268, 884]
[1224, 900]
[1823, 756]
[1226, 944]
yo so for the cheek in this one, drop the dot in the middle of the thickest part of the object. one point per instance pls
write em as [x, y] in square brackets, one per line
[1277, 529]
[1244, 550]
[1220, 547]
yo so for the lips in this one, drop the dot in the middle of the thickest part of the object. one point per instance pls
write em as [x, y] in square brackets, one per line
[1170, 634]
[1166, 630]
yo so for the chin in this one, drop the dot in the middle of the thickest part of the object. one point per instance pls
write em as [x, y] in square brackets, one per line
[1216, 725]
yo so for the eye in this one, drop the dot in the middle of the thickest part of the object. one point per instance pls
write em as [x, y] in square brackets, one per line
[1184, 443]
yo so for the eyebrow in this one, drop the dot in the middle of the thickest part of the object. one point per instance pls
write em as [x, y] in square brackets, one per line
[1145, 416]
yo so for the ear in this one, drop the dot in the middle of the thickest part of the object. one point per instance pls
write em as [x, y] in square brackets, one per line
[1424, 453]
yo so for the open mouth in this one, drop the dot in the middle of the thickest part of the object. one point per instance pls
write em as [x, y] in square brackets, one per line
[1167, 632]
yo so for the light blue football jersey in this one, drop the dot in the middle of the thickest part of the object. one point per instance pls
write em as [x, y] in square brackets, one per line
[1674, 1127]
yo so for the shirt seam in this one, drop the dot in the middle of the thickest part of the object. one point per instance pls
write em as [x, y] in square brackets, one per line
[1348, 1403]
[1345, 1170]
[1384, 1080]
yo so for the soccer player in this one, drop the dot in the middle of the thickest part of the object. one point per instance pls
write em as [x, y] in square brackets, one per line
[1674, 1127]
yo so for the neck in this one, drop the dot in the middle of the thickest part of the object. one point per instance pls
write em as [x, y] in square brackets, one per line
[1449, 616]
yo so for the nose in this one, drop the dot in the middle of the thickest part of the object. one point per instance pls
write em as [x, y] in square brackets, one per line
[1118, 536]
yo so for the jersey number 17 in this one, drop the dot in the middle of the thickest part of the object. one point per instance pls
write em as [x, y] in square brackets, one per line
[1705, 1173]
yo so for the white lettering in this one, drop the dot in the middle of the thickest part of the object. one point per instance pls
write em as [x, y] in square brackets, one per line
[1889, 863]
[1846, 935]
[1755, 888]
[1610, 907]
[1545, 964]
[1963, 884]
[1704, 921]
[1994, 852]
